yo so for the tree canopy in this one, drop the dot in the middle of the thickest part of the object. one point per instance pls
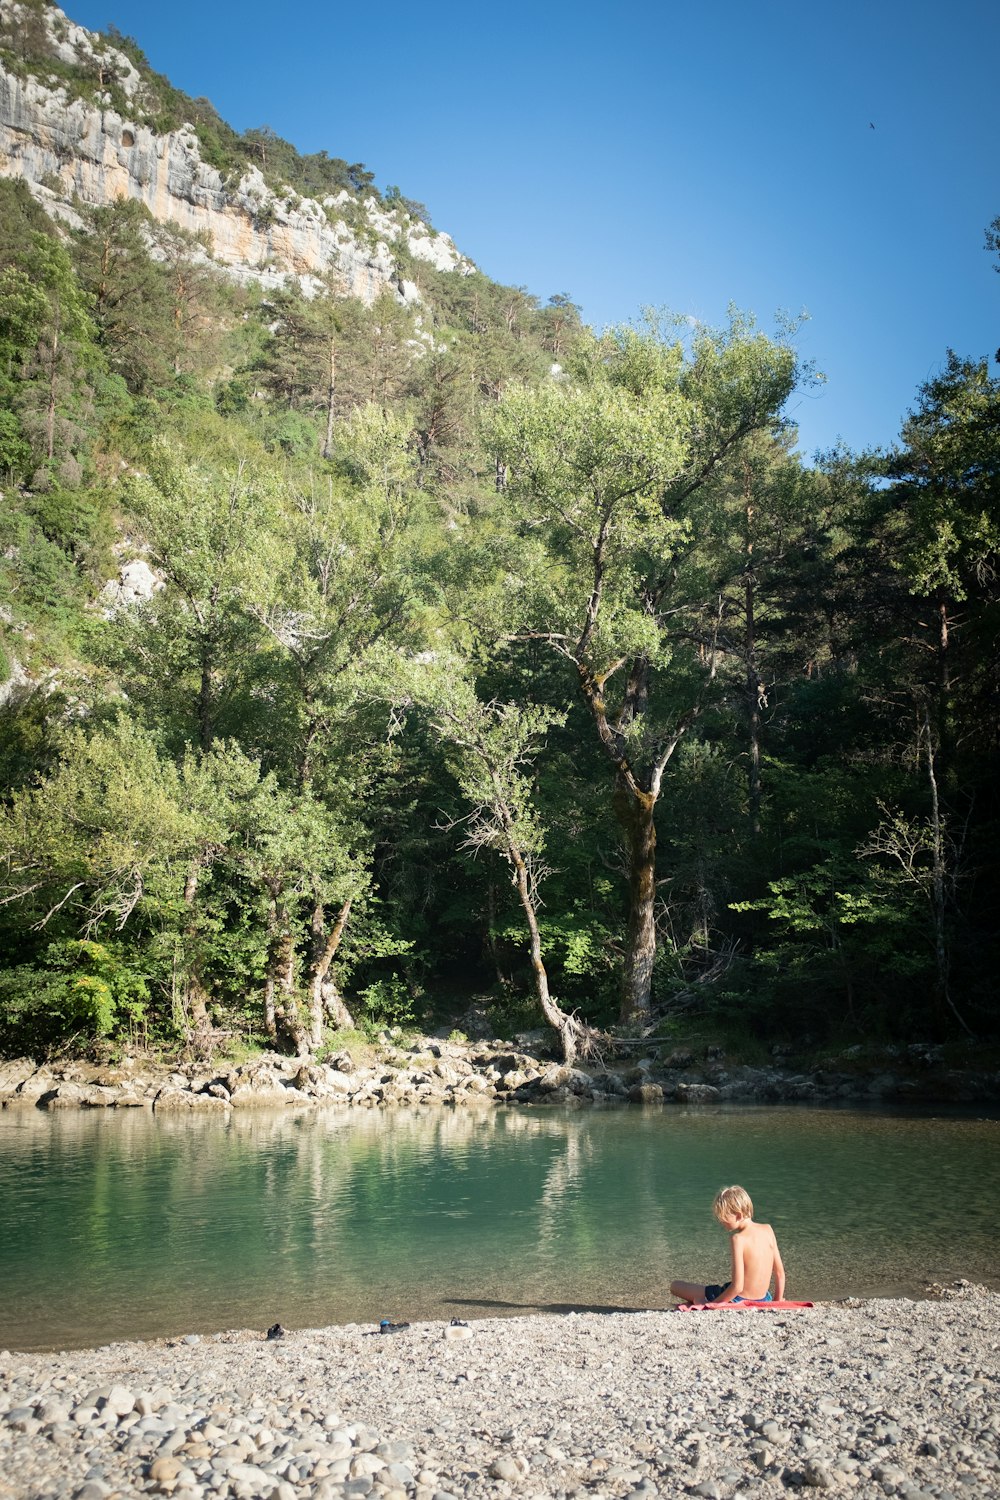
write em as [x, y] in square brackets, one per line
[473, 655]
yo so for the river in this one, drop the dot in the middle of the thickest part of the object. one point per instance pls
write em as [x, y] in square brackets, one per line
[122, 1224]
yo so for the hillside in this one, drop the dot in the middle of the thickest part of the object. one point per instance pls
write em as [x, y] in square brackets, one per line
[379, 646]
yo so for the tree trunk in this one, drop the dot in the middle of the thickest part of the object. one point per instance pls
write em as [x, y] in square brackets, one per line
[205, 725]
[333, 1005]
[944, 748]
[938, 890]
[323, 994]
[195, 994]
[564, 1026]
[491, 936]
[634, 807]
[754, 686]
[281, 1009]
[755, 697]
[330, 394]
[635, 811]
[270, 1019]
[571, 1032]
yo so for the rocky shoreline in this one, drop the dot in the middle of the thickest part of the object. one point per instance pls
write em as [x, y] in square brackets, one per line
[433, 1070]
[871, 1398]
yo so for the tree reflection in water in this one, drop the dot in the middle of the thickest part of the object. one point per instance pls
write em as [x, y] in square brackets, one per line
[126, 1224]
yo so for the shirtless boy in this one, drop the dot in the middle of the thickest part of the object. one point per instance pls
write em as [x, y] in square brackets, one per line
[755, 1255]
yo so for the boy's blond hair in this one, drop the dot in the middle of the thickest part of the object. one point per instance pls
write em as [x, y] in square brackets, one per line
[733, 1201]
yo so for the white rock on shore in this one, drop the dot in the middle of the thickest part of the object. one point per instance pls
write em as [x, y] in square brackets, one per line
[886, 1397]
[431, 1070]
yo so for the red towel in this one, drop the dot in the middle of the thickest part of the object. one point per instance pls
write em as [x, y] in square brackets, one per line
[737, 1306]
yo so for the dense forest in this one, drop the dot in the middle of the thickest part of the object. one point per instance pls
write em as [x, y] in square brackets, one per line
[480, 658]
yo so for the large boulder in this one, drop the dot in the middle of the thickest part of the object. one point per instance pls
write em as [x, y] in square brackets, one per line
[66, 1095]
[697, 1093]
[610, 1083]
[14, 1071]
[173, 1100]
[265, 1094]
[13, 1076]
[98, 1096]
[42, 1081]
[646, 1093]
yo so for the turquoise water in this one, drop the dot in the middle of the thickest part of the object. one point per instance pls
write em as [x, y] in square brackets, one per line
[119, 1225]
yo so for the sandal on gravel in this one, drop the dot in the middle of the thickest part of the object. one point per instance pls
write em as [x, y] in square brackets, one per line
[386, 1327]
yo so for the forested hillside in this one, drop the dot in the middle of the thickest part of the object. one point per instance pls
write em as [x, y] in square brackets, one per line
[360, 661]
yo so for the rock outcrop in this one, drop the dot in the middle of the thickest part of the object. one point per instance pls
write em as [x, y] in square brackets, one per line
[433, 1072]
[70, 148]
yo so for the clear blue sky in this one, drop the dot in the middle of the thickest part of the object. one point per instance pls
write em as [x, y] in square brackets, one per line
[670, 155]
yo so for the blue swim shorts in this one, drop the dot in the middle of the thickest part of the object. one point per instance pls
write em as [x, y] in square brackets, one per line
[711, 1292]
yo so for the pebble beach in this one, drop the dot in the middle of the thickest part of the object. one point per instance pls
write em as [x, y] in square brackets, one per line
[893, 1397]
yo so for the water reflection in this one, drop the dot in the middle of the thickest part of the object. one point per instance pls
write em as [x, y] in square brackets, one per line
[116, 1225]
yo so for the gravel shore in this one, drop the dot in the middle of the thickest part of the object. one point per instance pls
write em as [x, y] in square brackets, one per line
[882, 1397]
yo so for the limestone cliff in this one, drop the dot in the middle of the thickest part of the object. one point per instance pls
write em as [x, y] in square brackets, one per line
[69, 148]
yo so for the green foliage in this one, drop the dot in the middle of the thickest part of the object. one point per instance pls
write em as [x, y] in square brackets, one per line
[15, 450]
[581, 956]
[512, 1012]
[386, 1003]
[844, 937]
[79, 989]
[464, 587]
[357, 1042]
[946, 482]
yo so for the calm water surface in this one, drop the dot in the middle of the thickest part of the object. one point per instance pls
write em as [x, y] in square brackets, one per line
[127, 1225]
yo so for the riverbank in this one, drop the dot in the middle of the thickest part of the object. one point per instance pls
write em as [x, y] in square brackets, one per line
[883, 1397]
[434, 1070]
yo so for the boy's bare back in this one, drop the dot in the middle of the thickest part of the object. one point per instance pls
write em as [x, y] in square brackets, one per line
[755, 1259]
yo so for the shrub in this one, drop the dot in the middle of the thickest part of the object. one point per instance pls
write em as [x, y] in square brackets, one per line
[81, 989]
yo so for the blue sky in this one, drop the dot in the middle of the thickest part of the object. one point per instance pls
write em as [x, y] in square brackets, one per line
[667, 155]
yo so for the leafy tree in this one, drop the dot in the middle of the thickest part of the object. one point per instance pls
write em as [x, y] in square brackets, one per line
[941, 506]
[128, 292]
[839, 934]
[490, 748]
[99, 838]
[560, 324]
[80, 989]
[606, 473]
[23, 313]
[208, 525]
[938, 521]
[340, 600]
[46, 336]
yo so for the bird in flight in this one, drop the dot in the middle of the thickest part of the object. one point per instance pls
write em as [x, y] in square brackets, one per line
[870, 125]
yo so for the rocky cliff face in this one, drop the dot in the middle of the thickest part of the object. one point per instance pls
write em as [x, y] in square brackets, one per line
[65, 148]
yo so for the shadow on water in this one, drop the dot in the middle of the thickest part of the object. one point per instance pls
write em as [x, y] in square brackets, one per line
[120, 1226]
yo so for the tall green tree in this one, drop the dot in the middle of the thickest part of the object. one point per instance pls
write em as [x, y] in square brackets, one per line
[341, 597]
[607, 473]
[491, 746]
[49, 336]
[941, 514]
[209, 525]
[129, 294]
